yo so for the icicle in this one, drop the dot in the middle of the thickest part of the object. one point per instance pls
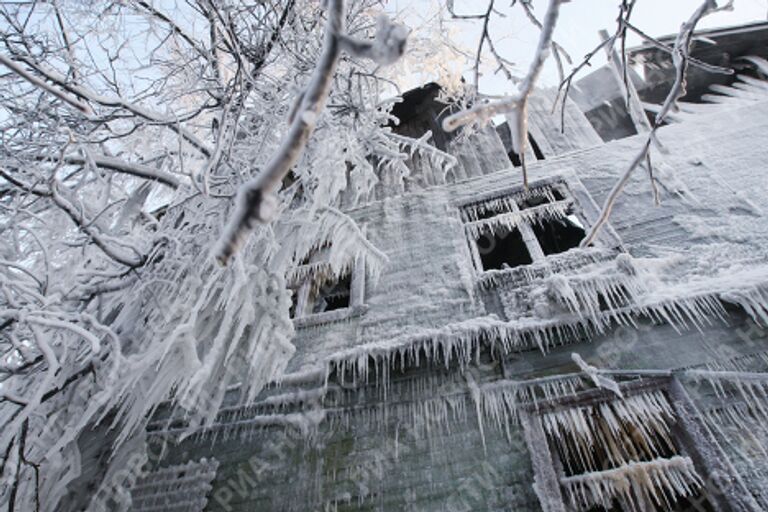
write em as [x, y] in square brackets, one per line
[573, 260]
[744, 91]
[509, 220]
[414, 159]
[634, 483]
[648, 417]
[474, 392]
[749, 388]
[754, 300]
[519, 200]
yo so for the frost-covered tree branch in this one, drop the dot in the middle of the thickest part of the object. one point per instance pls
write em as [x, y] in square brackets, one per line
[29, 77]
[256, 202]
[117, 163]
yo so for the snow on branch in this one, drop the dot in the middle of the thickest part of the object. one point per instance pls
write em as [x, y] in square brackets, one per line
[31, 188]
[73, 92]
[516, 105]
[29, 77]
[115, 164]
[105, 162]
[132, 258]
[594, 374]
[256, 202]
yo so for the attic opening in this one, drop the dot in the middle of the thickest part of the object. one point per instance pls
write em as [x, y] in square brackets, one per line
[421, 111]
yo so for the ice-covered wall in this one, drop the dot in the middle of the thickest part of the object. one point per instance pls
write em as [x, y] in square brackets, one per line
[420, 398]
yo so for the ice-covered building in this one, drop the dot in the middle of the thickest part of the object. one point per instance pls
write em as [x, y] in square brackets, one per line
[492, 364]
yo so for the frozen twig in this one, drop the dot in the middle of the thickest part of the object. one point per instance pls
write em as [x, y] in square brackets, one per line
[625, 11]
[594, 374]
[115, 164]
[691, 60]
[558, 52]
[72, 92]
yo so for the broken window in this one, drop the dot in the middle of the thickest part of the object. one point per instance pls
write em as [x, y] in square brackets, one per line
[558, 235]
[622, 454]
[317, 289]
[522, 227]
[505, 248]
[331, 294]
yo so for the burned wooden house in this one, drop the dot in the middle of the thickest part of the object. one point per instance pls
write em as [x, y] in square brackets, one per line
[494, 363]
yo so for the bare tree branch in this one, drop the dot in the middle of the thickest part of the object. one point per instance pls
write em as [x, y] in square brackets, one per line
[517, 104]
[680, 59]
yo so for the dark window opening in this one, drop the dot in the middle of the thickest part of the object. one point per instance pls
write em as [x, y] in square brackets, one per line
[535, 147]
[503, 250]
[294, 302]
[515, 158]
[559, 235]
[333, 295]
[505, 134]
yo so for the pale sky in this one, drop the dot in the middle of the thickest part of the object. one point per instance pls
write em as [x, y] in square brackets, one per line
[577, 28]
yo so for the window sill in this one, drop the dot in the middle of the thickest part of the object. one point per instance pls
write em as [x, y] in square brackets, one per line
[555, 263]
[330, 317]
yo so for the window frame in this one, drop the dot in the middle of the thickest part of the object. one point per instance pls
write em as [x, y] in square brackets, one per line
[583, 207]
[302, 288]
[722, 485]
